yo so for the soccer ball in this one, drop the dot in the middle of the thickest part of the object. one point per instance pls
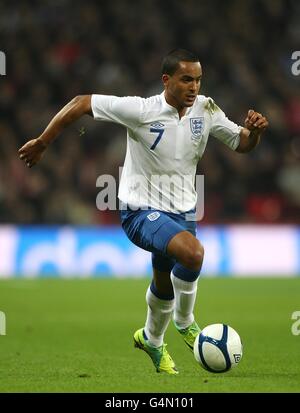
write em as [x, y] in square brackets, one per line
[218, 348]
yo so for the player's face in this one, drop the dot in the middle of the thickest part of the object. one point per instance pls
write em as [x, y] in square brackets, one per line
[183, 86]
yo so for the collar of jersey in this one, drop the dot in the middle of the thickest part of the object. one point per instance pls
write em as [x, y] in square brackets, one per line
[171, 108]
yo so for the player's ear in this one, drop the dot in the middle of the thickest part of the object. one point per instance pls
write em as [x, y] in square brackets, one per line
[165, 79]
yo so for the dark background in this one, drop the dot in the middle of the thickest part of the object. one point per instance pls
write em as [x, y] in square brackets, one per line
[59, 49]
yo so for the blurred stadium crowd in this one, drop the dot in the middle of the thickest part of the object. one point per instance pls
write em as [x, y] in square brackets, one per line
[59, 49]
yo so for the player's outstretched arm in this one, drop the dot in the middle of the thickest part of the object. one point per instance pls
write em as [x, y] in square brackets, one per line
[34, 149]
[255, 125]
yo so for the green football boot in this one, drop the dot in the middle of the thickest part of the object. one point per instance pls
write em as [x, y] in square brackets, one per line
[159, 355]
[189, 334]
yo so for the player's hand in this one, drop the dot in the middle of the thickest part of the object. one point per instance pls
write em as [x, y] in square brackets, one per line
[32, 151]
[256, 121]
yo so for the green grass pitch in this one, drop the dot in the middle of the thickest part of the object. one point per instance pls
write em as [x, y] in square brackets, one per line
[76, 336]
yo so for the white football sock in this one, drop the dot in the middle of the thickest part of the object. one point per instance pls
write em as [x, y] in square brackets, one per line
[158, 318]
[185, 296]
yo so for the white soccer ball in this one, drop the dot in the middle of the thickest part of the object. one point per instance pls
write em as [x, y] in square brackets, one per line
[218, 348]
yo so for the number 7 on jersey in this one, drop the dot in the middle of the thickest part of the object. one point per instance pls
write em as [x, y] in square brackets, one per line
[159, 136]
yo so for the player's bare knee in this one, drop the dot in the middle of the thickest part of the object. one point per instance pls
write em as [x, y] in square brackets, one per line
[193, 256]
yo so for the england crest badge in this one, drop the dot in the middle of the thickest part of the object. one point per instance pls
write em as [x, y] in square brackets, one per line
[197, 127]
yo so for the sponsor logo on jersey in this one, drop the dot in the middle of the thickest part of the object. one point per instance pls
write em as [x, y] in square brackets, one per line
[157, 125]
[153, 216]
[197, 126]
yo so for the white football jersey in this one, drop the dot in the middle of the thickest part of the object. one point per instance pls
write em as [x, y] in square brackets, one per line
[162, 149]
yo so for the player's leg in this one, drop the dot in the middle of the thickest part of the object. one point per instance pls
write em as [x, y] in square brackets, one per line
[160, 299]
[156, 231]
[160, 305]
[189, 254]
[187, 250]
[162, 267]
[182, 281]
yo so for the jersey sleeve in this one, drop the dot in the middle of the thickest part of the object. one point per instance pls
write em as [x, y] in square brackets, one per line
[125, 111]
[224, 129]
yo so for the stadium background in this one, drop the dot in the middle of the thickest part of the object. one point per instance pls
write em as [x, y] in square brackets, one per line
[56, 51]
[50, 225]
